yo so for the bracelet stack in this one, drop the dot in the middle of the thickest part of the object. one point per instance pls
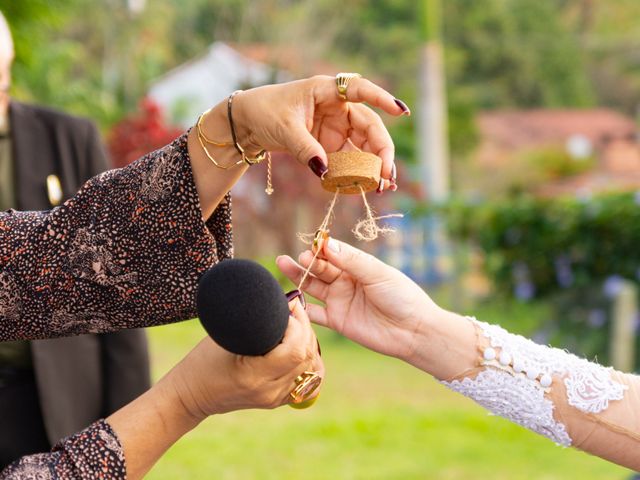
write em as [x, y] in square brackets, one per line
[244, 158]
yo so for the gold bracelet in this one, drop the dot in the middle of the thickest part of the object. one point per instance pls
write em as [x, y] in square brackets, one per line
[249, 160]
[262, 155]
[202, 139]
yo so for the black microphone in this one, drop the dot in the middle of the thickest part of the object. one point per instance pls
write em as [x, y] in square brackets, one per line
[242, 307]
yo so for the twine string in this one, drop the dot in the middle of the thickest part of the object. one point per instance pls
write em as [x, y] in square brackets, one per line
[366, 229]
[323, 226]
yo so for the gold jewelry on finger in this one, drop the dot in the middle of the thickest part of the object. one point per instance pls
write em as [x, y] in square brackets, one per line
[304, 404]
[342, 82]
[306, 384]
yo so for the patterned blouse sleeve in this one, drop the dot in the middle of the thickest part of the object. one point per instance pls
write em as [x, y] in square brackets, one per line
[127, 251]
[95, 452]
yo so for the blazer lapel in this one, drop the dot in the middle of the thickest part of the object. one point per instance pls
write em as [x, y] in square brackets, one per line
[33, 162]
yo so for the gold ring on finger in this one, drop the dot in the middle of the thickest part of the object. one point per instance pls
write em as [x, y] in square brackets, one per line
[306, 384]
[342, 82]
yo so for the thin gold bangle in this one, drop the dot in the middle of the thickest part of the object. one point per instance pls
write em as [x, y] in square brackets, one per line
[206, 151]
[204, 137]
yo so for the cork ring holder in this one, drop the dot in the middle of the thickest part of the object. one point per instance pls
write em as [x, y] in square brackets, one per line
[351, 171]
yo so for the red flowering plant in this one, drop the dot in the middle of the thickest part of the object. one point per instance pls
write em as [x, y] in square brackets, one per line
[139, 133]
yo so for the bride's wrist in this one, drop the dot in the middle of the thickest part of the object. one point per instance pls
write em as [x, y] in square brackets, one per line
[444, 344]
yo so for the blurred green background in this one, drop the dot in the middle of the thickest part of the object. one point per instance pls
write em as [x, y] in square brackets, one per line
[537, 230]
[376, 419]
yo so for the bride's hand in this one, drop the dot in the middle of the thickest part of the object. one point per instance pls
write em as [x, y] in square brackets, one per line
[365, 300]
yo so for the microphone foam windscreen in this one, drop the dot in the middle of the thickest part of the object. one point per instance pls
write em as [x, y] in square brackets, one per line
[242, 307]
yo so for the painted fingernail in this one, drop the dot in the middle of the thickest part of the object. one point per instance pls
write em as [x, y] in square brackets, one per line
[403, 106]
[293, 294]
[333, 245]
[317, 166]
[393, 187]
[380, 188]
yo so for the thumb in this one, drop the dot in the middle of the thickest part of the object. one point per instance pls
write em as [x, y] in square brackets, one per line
[306, 148]
[362, 266]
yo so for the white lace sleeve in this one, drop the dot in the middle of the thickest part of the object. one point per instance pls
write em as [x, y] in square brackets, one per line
[517, 376]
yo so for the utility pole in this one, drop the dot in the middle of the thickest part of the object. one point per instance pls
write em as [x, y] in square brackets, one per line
[433, 149]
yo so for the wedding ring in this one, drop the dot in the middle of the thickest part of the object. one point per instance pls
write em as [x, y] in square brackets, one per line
[306, 384]
[342, 81]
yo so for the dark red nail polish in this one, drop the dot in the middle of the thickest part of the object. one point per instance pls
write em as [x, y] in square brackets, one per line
[403, 106]
[394, 174]
[293, 294]
[317, 166]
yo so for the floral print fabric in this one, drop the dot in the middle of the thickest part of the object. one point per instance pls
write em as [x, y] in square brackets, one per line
[127, 251]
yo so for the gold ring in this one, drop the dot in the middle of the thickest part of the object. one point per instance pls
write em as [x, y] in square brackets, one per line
[306, 384]
[342, 81]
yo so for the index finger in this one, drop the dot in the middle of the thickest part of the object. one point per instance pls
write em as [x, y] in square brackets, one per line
[363, 90]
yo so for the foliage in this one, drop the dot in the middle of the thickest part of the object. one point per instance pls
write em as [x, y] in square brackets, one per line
[554, 163]
[498, 53]
[516, 53]
[573, 252]
[139, 133]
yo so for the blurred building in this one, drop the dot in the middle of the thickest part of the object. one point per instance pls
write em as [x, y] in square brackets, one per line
[187, 90]
[555, 152]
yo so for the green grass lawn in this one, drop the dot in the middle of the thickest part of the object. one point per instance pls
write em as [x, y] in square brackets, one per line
[376, 419]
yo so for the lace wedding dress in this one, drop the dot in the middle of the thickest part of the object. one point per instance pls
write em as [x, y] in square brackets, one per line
[570, 400]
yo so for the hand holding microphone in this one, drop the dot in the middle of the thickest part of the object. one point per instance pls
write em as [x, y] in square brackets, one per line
[270, 358]
[262, 355]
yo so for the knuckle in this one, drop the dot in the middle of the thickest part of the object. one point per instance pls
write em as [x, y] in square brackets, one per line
[245, 382]
[321, 266]
[298, 355]
[318, 79]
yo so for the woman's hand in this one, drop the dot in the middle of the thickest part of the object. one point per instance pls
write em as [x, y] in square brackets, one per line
[365, 300]
[307, 118]
[210, 380]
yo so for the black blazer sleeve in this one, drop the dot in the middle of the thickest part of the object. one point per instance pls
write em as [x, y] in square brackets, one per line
[96, 156]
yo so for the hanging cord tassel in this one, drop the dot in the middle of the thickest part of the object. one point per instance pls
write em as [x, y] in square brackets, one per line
[368, 229]
[324, 226]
